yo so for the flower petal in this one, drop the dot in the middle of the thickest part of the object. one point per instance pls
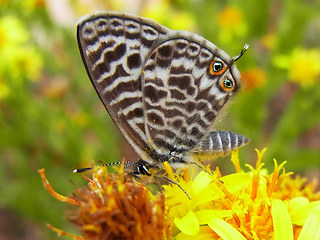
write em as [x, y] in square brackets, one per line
[281, 221]
[225, 230]
[297, 207]
[200, 182]
[300, 208]
[236, 181]
[311, 228]
[188, 224]
[204, 234]
[205, 215]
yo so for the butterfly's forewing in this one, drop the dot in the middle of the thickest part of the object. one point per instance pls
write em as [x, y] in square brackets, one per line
[182, 95]
[114, 48]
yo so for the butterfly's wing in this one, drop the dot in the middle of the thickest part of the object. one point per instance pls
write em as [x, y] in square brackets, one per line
[182, 92]
[114, 48]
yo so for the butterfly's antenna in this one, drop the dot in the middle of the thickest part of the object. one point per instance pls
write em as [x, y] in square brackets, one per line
[127, 164]
[244, 49]
[173, 182]
[80, 170]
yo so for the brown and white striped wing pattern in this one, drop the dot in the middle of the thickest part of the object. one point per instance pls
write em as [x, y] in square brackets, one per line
[162, 88]
[114, 48]
[181, 97]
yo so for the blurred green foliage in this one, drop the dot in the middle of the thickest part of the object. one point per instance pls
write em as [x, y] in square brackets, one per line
[50, 116]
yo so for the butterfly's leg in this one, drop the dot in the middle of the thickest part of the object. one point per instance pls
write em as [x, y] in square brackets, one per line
[202, 168]
[173, 182]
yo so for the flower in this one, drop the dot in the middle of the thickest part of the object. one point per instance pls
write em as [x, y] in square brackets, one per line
[253, 78]
[162, 12]
[303, 65]
[230, 21]
[114, 206]
[269, 41]
[245, 205]
[19, 59]
[230, 18]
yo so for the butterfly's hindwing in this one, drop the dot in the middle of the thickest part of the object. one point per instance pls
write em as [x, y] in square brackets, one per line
[181, 98]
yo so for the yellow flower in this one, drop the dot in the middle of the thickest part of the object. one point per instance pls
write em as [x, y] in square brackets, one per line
[230, 21]
[19, 60]
[230, 18]
[269, 41]
[244, 205]
[303, 65]
[164, 13]
[29, 63]
[12, 32]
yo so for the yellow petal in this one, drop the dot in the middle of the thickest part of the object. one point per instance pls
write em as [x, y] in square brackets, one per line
[311, 228]
[200, 182]
[204, 234]
[205, 215]
[236, 182]
[225, 230]
[188, 224]
[281, 221]
[182, 236]
[299, 209]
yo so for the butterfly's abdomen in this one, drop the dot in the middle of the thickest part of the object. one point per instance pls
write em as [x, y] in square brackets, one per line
[221, 143]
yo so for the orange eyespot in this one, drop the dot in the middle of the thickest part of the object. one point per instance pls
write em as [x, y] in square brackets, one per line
[227, 85]
[217, 67]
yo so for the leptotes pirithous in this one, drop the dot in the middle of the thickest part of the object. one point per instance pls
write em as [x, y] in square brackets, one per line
[162, 88]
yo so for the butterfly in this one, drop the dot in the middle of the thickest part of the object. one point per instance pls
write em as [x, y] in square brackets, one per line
[162, 88]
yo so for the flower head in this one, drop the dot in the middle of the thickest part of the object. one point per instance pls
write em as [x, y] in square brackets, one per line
[253, 78]
[245, 205]
[19, 59]
[114, 206]
[303, 65]
[162, 12]
[230, 18]
[231, 23]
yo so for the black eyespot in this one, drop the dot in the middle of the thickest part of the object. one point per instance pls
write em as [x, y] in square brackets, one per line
[217, 66]
[228, 83]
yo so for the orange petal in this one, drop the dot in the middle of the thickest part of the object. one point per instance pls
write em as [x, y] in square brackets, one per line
[54, 193]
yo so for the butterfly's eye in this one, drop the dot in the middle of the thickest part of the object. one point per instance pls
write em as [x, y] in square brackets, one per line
[227, 85]
[217, 67]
